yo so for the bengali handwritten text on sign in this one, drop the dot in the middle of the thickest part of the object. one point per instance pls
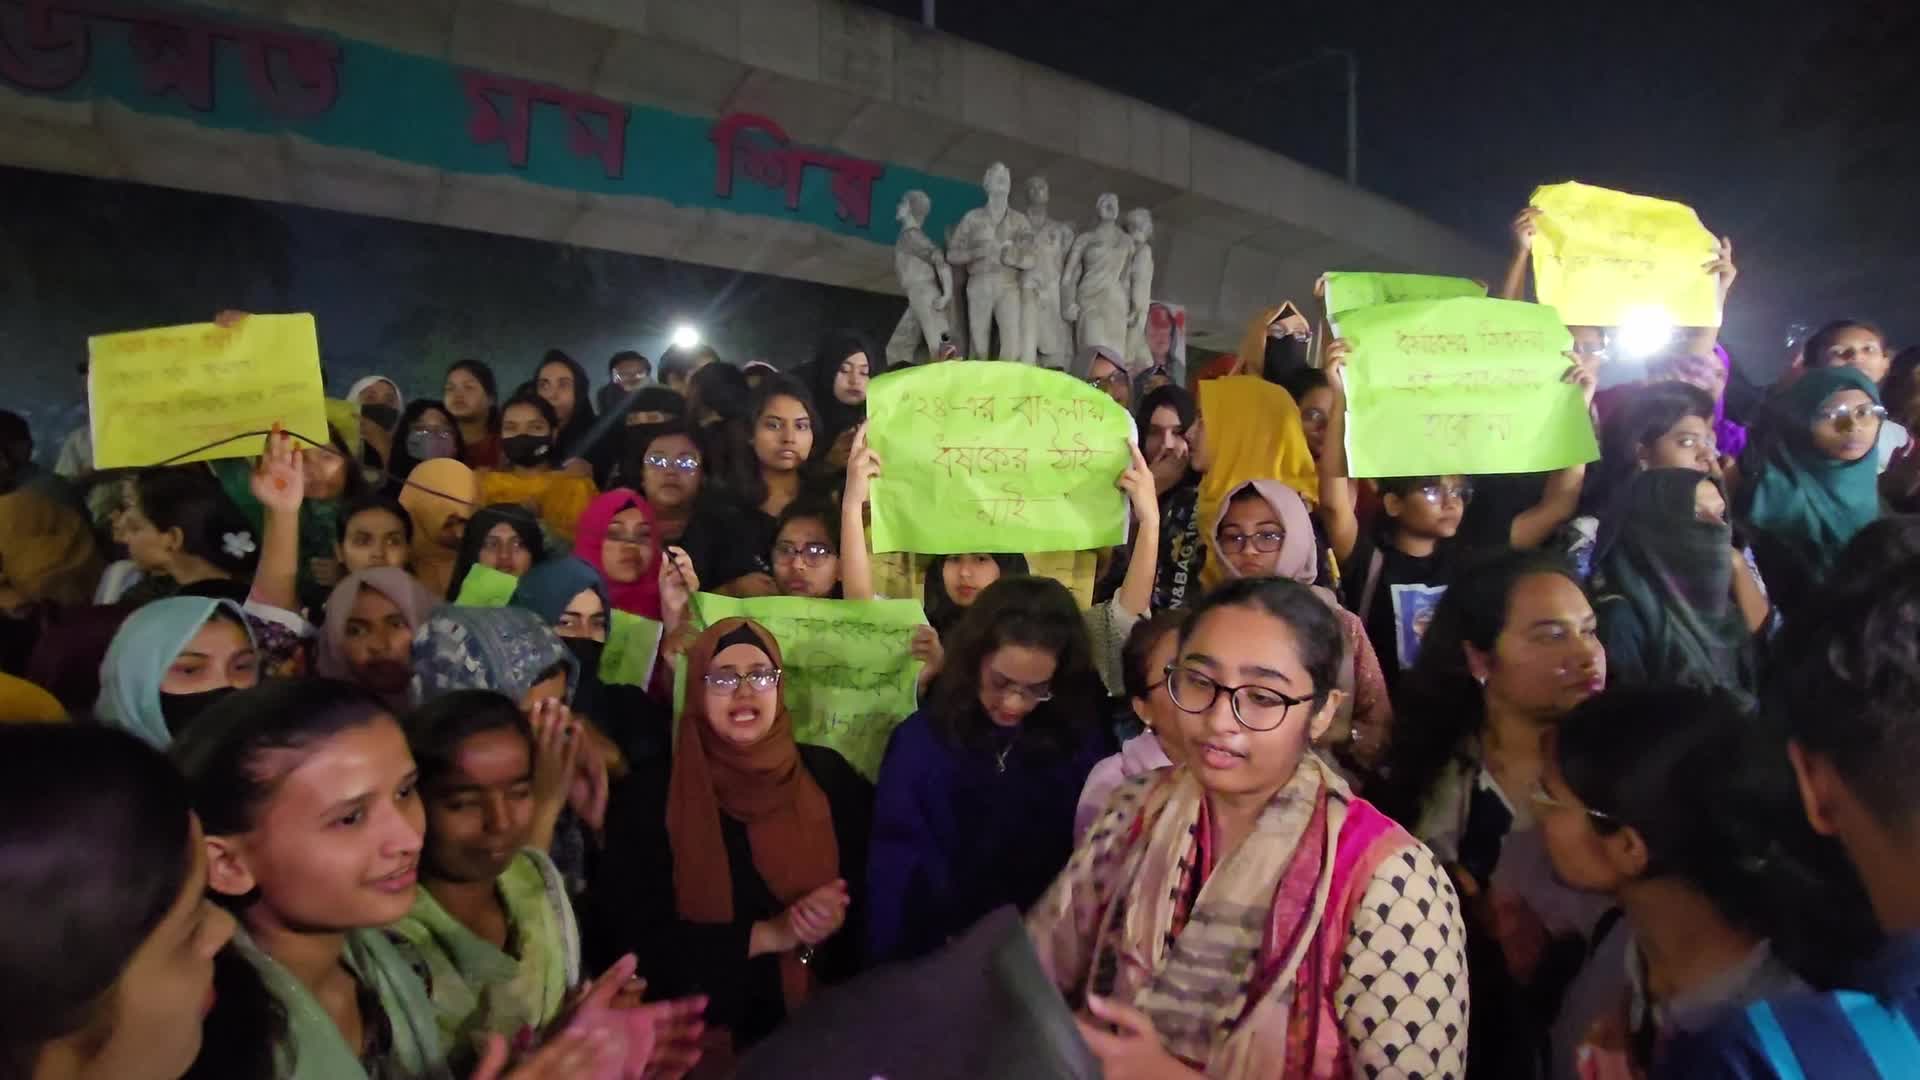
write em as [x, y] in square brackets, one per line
[190, 393]
[1461, 386]
[1603, 258]
[1347, 289]
[988, 456]
[849, 675]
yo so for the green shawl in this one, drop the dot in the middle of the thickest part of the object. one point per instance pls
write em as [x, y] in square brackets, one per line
[478, 989]
[1803, 500]
[314, 1047]
[1674, 573]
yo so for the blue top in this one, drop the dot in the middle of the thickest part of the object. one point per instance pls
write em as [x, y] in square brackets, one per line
[955, 837]
[1859, 1034]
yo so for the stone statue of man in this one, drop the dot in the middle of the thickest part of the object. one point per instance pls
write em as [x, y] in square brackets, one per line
[1139, 289]
[992, 243]
[924, 277]
[1096, 280]
[1049, 337]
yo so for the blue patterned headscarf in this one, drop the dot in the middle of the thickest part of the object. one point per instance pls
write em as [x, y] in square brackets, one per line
[473, 648]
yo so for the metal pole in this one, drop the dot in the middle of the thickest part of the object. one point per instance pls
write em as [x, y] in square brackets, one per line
[1353, 117]
[926, 13]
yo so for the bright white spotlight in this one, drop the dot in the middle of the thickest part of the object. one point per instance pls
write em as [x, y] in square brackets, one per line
[1643, 332]
[685, 336]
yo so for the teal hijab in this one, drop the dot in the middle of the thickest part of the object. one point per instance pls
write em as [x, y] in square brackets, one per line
[138, 659]
[1803, 500]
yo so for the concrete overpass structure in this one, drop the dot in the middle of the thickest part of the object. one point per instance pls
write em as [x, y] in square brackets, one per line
[764, 135]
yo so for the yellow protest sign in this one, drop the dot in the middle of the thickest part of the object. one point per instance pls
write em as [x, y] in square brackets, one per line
[1606, 258]
[345, 418]
[190, 393]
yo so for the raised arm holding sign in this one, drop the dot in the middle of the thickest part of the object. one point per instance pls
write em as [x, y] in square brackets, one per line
[202, 392]
[994, 456]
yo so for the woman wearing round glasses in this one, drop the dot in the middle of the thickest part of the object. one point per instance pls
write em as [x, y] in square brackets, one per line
[672, 472]
[975, 804]
[730, 871]
[1246, 915]
[1810, 480]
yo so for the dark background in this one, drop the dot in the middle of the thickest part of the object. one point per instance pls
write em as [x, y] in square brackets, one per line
[1790, 126]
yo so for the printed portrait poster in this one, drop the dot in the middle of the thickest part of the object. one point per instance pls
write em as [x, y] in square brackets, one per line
[1412, 612]
[1167, 337]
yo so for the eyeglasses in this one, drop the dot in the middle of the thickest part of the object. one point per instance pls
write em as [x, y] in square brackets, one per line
[512, 545]
[999, 685]
[1313, 416]
[1266, 543]
[1541, 797]
[1859, 414]
[635, 381]
[811, 554]
[685, 463]
[1596, 352]
[1105, 381]
[1438, 494]
[761, 680]
[1256, 708]
[635, 539]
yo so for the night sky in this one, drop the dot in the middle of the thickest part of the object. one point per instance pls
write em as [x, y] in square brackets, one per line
[1794, 128]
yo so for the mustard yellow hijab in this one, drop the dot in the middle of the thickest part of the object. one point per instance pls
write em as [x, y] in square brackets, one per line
[1252, 433]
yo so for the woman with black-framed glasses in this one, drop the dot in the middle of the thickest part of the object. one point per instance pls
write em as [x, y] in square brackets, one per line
[734, 870]
[1258, 851]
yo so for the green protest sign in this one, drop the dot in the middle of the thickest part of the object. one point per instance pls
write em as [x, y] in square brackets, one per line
[1461, 386]
[995, 456]
[1350, 289]
[486, 587]
[849, 674]
[633, 643]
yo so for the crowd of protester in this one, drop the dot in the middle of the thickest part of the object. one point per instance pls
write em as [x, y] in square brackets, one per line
[1632, 799]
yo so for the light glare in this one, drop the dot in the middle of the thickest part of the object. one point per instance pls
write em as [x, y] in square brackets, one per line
[685, 336]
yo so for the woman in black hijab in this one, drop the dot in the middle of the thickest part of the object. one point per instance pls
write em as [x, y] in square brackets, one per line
[838, 375]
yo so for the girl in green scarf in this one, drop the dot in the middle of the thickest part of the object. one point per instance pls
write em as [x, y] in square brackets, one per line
[1664, 571]
[313, 823]
[492, 926]
[1811, 479]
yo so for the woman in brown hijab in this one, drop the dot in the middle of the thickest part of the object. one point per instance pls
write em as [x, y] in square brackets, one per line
[729, 872]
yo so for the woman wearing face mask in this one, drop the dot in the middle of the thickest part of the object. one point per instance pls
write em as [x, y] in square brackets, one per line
[440, 496]
[732, 872]
[976, 797]
[570, 596]
[672, 471]
[1343, 931]
[380, 402]
[170, 661]
[426, 431]
[838, 376]
[310, 803]
[1809, 480]
[109, 946]
[531, 476]
[733, 529]
[368, 637]
[491, 923]
[1264, 531]
[1149, 650]
[1664, 576]
[470, 397]
[1513, 646]
[504, 537]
